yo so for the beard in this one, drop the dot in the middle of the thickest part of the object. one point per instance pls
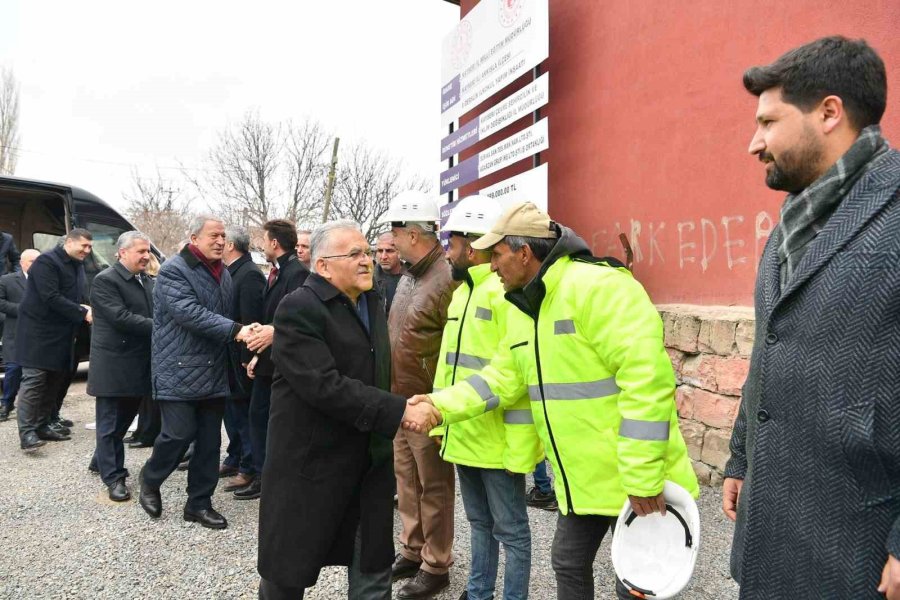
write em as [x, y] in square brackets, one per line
[796, 168]
[458, 273]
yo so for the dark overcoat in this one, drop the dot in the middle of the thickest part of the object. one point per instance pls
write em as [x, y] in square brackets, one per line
[9, 252]
[51, 312]
[120, 335]
[817, 438]
[248, 286]
[329, 468]
[291, 275]
[189, 356]
[12, 290]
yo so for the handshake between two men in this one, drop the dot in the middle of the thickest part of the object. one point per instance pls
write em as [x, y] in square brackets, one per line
[420, 415]
[257, 338]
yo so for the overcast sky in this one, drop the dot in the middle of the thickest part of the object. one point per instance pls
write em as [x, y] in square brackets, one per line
[110, 85]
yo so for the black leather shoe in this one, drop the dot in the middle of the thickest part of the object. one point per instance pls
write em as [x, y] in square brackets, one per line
[118, 492]
[4, 413]
[251, 492]
[64, 422]
[93, 468]
[183, 465]
[30, 441]
[51, 435]
[423, 585]
[206, 517]
[149, 499]
[403, 568]
[60, 429]
[129, 439]
[139, 444]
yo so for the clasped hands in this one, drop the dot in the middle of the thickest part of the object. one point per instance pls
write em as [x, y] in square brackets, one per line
[420, 415]
[257, 337]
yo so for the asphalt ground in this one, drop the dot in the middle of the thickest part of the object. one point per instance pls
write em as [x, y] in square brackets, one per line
[61, 537]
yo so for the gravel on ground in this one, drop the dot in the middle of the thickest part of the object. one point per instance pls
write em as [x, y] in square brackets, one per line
[61, 537]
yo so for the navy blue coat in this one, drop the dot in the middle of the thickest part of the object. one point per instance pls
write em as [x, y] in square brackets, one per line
[51, 312]
[189, 348]
[9, 252]
[12, 289]
[248, 287]
[817, 438]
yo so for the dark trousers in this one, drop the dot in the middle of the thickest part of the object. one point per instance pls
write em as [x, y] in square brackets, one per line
[38, 397]
[149, 421]
[361, 586]
[199, 421]
[113, 416]
[12, 379]
[259, 420]
[237, 425]
[575, 546]
[61, 394]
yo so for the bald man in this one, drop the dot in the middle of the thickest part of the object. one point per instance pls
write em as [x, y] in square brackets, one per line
[12, 289]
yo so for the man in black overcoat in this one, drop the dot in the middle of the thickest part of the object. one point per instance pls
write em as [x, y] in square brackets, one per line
[9, 253]
[49, 317]
[119, 374]
[12, 290]
[248, 287]
[287, 274]
[814, 475]
[329, 473]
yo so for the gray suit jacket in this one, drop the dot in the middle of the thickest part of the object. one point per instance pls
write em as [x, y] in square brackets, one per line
[817, 439]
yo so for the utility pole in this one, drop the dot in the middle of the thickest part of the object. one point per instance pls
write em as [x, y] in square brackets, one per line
[329, 188]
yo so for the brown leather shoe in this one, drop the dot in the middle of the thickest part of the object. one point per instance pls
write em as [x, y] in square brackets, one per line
[226, 471]
[424, 585]
[241, 480]
[403, 568]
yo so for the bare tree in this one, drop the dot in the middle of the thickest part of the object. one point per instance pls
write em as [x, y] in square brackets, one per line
[9, 122]
[159, 208]
[306, 165]
[367, 180]
[243, 184]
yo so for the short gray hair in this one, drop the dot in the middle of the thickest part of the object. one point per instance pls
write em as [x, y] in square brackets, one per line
[420, 229]
[540, 247]
[238, 236]
[320, 238]
[127, 239]
[199, 221]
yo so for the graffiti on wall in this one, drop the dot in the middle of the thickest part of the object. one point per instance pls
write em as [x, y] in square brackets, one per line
[731, 241]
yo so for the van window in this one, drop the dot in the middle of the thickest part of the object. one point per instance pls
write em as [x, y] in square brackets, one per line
[45, 241]
[105, 238]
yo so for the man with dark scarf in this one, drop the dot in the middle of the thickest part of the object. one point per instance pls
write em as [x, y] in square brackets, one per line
[189, 369]
[813, 480]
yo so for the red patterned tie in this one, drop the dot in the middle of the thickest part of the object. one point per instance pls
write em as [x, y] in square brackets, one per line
[273, 275]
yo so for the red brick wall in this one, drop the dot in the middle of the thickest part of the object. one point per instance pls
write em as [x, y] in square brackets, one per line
[710, 351]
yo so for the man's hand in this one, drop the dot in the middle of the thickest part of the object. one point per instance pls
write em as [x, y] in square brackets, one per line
[89, 315]
[251, 367]
[731, 493]
[890, 579]
[245, 332]
[420, 417]
[643, 506]
[260, 338]
[420, 398]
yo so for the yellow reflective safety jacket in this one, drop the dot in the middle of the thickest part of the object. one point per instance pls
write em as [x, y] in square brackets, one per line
[501, 438]
[586, 345]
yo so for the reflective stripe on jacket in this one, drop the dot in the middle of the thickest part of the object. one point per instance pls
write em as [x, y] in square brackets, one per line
[592, 360]
[497, 439]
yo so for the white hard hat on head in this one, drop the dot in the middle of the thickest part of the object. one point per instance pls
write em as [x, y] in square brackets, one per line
[412, 206]
[473, 214]
[654, 556]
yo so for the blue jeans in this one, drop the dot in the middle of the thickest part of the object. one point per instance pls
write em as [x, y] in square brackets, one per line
[541, 479]
[12, 378]
[495, 507]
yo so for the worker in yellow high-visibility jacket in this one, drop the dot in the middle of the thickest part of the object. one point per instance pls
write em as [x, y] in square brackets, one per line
[493, 451]
[586, 344]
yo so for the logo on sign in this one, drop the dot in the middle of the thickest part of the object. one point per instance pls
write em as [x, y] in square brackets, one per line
[462, 44]
[510, 10]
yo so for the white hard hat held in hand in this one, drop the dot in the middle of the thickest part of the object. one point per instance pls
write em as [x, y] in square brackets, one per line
[654, 556]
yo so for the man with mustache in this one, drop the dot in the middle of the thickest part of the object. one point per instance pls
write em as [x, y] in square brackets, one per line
[814, 476]
[119, 377]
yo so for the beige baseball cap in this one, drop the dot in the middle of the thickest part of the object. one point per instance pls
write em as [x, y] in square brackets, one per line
[523, 219]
